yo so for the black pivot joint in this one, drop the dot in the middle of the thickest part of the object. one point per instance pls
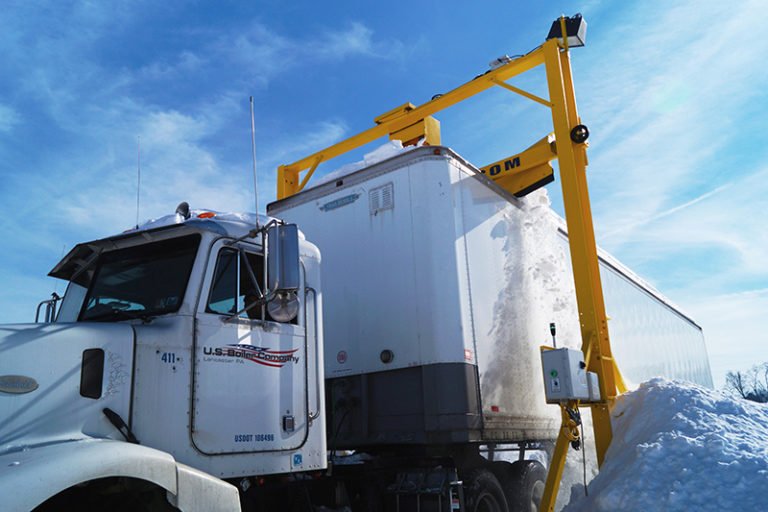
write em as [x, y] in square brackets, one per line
[579, 134]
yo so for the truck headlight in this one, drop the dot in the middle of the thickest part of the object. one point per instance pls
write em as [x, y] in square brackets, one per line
[284, 307]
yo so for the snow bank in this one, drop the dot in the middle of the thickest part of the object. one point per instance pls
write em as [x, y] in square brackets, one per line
[679, 446]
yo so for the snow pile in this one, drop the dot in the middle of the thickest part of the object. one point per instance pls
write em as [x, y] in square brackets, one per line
[679, 446]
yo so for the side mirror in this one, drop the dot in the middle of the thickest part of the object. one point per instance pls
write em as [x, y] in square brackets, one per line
[283, 258]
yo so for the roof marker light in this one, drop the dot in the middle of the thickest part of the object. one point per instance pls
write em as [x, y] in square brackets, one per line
[206, 215]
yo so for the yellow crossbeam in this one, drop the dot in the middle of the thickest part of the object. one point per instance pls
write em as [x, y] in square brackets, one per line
[288, 175]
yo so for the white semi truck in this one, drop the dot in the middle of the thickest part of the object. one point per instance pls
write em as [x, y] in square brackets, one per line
[157, 386]
[155, 381]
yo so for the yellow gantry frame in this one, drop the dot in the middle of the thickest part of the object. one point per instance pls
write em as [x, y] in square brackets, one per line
[572, 159]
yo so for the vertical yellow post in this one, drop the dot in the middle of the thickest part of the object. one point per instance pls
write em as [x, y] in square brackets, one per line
[287, 182]
[572, 160]
[578, 214]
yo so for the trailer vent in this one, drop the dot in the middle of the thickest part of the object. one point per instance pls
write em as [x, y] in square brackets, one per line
[382, 198]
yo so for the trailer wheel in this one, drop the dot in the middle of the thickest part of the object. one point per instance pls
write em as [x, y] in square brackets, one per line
[523, 483]
[483, 492]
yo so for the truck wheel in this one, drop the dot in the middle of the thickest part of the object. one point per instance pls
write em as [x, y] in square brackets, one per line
[483, 492]
[523, 483]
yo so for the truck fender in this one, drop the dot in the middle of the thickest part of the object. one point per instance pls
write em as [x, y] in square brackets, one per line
[201, 492]
[32, 475]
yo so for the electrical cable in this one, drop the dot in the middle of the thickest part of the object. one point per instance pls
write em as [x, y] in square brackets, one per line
[336, 433]
[571, 426]
[584, 460]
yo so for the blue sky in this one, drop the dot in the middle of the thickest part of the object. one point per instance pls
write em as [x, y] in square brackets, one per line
[673, 92]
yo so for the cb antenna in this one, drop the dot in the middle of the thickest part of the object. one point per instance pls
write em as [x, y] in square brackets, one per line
[138, 184]
[255, 177]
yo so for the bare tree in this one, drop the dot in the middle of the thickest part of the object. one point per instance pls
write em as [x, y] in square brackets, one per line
[751, 384]
[734, 382]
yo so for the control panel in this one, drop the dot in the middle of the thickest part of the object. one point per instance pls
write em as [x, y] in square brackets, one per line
[566, 377]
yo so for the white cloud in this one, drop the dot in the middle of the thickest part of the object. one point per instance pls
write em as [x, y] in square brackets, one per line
[257, 53]
[9, 118]
[183, 63]
[357, 40]
[666, 213]
[309, 140]
[665, 102]
[730, 224]
[176, 166]
[733, 329]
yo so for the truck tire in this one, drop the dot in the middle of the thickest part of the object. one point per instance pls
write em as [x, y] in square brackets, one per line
[523, 483]
[115, 494]
[483, 492]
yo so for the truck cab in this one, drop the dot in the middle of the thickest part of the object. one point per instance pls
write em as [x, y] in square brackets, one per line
[194, 341]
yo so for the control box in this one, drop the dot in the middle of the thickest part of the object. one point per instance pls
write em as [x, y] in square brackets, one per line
[566, 377]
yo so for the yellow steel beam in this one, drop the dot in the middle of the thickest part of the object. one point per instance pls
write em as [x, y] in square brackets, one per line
[395, 112]
[581, 236]
[309, 173]
[601, 360]
[288, 175]
[572, 160]
[521, 92]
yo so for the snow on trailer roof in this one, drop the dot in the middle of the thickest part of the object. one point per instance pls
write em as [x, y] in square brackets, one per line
[388, 150]
[386, 158]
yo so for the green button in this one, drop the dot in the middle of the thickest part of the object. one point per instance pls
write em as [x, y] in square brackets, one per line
[553, 373]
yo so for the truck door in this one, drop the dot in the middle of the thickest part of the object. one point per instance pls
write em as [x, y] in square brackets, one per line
[250, 378]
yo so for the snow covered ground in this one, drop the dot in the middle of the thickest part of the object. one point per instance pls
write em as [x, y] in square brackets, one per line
[680, 447]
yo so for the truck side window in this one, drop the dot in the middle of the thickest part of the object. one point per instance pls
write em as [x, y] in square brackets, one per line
[232, 287]
[223, 298]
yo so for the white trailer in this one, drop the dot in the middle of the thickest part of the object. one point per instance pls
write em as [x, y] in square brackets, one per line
[439, 289]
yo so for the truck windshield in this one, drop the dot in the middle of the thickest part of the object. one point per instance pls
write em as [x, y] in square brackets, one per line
[141, 281]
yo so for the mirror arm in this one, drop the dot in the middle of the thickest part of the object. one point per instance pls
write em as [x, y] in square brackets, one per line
[251, 275]
[263, 297]
[251, 234]
[260, 302]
